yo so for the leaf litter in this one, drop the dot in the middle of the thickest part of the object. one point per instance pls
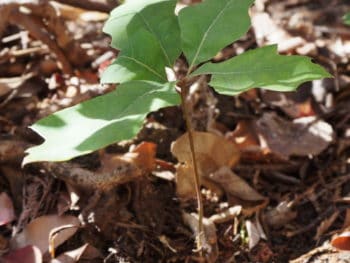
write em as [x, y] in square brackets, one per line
[285, 199]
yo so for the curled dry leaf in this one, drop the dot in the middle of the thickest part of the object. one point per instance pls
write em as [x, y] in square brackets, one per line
[212, 152]
[55, 236]
[280, 215]
[234, 185]
[68, 200]
[70, 256]
[38, 231]
[255, 232]
[146, 154]
[27, 254]
[342, 242]
[296, 104]
[247, 140]
[209, 238]
[7, 213]
[245, 137]
[111, 162]
[141, 158]
[91, 254]
[302, 137]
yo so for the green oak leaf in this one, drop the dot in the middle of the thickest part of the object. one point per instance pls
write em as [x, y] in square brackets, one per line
[146, 63]
[261, 67]
[148, 35]
[208, 27]
[346, 18]
[96, 123]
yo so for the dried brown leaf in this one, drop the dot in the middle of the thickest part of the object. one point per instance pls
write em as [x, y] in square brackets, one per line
[38, 231]
[244, 136]
[280, 215]
[255, 232]
[27, 254]
[212, 151]
[141, 158]
[70, 256]
[342, 241]
[7, 213]
[185, 183]
[146, 154]
[235, 185]
[302, 137]
[54, 236]
[296, 105]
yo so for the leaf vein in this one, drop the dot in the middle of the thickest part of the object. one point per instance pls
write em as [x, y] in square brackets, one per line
[159, 40]
[206, 34]
[140, 96]
[143, 65]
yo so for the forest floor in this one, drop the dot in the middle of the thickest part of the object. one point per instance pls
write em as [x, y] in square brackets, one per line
[286, 200]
